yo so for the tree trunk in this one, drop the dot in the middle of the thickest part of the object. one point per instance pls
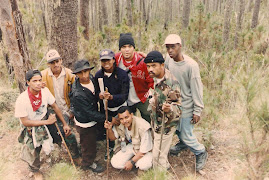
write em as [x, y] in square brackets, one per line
[167, 13]
[239, 22]
[186, 13]
[117, 11]
[62, 29]
[250, 4]
[130, 12]
[255, 16]
[84, 17]
[104, 12]
[13, 35]
[227, 17]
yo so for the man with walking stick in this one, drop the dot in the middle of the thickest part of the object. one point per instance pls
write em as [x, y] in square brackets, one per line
[164, 107]
[31, 108]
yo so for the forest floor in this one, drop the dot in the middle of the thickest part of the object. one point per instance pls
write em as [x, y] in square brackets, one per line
[224, 160]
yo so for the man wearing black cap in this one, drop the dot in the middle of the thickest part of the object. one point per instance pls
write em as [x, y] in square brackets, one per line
[83, 100]
[117, 82]
[164, 106]
[31, 108]
[140, 81]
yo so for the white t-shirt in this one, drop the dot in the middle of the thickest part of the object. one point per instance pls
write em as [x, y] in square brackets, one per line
[23, 107]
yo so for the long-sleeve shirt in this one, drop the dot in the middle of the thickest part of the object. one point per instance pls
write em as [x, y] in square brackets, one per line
[188, 75]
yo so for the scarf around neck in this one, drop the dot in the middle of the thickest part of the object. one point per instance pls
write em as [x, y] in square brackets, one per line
[35, 101]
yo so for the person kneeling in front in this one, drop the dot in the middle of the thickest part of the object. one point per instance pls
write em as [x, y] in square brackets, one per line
[134, 135]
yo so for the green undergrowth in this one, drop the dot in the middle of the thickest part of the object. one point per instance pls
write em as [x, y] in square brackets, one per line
[63, 171]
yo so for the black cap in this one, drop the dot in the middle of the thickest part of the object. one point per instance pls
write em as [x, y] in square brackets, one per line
[154, 56]
[126, 39]
[106, 54]
[31, 73]
[81, 65]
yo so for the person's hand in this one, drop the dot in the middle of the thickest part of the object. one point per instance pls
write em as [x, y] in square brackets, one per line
[52, 119]
[128, 166]
[195, 119]
[67, 130]
[107, 96]
[108, 125]
[101, 96]
[166, 107]
[142, 54]
[115, 121]
[44, 84]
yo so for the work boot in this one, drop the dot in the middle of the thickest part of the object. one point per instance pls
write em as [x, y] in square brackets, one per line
[201, 160]
[174, 150]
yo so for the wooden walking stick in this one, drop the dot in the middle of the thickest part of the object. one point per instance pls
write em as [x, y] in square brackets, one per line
[162, 130]
[65, 145]
[107, 141]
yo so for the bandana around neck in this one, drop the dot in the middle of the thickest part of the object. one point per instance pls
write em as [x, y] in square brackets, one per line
[35, 101]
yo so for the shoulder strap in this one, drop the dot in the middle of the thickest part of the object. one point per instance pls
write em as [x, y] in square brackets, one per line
[139, 60]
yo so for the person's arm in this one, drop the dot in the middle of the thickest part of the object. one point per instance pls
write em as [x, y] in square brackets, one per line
[129, 165]
[32, 123]
[111, 135]
[66, 128]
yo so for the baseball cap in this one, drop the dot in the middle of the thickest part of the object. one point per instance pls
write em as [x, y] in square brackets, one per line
[172, 39]
[52, 55]
[106, 54]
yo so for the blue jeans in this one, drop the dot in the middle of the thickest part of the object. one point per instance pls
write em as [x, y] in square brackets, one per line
[187, 138]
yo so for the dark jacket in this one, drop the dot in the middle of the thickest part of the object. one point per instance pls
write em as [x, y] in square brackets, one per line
[84, 104]
[117, 84]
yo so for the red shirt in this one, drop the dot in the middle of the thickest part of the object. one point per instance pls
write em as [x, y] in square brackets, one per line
[140, 76]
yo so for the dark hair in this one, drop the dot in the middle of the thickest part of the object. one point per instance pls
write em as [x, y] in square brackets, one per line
[123, 109]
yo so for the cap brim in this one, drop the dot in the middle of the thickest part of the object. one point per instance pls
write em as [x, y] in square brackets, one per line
[56, 58]
[81, 69]
[106, 57]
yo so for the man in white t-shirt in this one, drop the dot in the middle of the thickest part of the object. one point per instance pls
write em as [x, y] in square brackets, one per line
[31, 108]
[136, 133]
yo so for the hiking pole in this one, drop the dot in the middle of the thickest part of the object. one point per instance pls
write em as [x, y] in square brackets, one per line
[65, 145]
[160, 146]
[107, 141]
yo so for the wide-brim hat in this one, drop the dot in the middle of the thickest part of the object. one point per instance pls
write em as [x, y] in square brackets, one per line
[81, 65]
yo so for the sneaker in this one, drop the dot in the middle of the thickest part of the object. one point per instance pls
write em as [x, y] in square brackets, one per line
[201, 160]
[174, 150]
[94, 167]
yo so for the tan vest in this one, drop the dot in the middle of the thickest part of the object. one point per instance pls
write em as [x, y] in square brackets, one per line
[139, 127]
[68, 81]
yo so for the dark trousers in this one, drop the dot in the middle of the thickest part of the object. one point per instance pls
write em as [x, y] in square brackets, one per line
[88, 144]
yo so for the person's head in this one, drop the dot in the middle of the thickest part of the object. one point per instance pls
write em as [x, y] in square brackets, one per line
[126, 116]
[34, 80]
[107, 58]
[127, 45]
[54, 61]
[82, 69]
[173, 46]
[155, 64]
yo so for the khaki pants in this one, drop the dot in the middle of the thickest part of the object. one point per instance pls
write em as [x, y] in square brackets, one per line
[166, 143]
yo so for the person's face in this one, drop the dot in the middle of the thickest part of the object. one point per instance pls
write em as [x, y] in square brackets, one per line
[35, 83]
[127, 51]
[126, 119]
[173, 50]
[155, 69]
[107, 64]
[84, 76]
[56, 66]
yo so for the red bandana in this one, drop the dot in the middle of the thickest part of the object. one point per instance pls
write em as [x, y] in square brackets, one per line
[35, 101]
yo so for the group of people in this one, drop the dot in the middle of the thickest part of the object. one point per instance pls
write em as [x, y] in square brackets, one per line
[168, 93]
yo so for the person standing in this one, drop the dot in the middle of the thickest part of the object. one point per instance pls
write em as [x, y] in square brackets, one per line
[84, 106]
[164, 107]
[31, 109]
[140, 81]
[58, 80]
[187, 72]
